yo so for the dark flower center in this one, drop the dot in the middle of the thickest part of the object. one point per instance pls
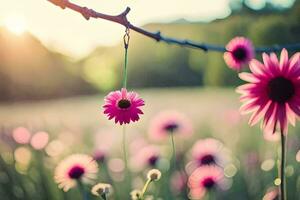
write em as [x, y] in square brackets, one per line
[239, 53]
[153, 160]
[76, 172]
[208, 183]
[124, 104]
[207, 160]
[171, 127]
[280, 89]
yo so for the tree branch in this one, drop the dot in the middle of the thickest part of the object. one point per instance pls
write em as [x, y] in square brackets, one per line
[122, 19]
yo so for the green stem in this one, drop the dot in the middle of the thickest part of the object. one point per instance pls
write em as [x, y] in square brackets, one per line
[103, 196]
[173, 149]
[82, 191]
[125, 69]
[282, 167]
[124, 147]
[145, 188]
[127, 175]
[106, 171]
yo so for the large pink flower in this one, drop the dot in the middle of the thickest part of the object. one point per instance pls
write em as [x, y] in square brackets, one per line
[205, 178]
[273, 92]
[239, 52]
[123, 106]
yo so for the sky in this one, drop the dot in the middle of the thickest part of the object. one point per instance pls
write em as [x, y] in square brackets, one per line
[68, 32]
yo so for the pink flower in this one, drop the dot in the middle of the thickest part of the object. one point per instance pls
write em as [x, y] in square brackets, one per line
[178, 182]
[39, 140]
[271, 194]
[147, 156]
[203, 179]
[123, 106]
[208, 151]
[99, 155]
[21, 135]
[74, 168]
[170, 122]
[239, 52]
[273, 92]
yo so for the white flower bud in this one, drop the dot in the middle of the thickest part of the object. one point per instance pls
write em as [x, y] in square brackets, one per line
[101, 189]
[154, 175]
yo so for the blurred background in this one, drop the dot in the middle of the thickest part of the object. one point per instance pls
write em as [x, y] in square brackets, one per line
[56, 67]
[46, 52]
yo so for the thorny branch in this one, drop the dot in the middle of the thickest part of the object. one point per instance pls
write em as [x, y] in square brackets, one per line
[122, 19]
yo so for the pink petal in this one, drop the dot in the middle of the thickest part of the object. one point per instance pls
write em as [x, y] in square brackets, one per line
[258, 114]
[248, 77]
[284, 60]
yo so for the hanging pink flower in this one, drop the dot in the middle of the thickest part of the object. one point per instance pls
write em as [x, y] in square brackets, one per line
[170, 122]
[208, 151]
[123, 106]
[77, 167]
[239, 52]
[203, 179]
[273, 92]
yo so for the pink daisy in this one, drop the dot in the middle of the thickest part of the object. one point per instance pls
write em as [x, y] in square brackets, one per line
[99, 155]
[273, 92]
[239, 52]
[208, 151]
[123, 106]
[203, 179]
[147, 156]
[272, 194]
[178, 182]
[170, 122]
[74, 168]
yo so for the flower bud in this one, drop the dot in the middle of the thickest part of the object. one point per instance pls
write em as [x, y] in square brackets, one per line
[154, 175]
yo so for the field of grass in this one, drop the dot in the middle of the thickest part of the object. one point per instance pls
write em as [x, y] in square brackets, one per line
[80, 127]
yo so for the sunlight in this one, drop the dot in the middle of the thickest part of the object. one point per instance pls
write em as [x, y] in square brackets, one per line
[15, 24]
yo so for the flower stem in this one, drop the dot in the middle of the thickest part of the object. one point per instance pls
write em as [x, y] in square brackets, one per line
[124, 147]
[103, 196]
[82, 191]
[173, 149]
[145, 188]
[125, 68]
[282, 167]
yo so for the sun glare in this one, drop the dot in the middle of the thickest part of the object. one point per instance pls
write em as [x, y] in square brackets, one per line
[15, 24]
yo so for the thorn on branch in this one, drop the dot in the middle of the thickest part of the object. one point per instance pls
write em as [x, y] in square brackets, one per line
[60, 3]
[124, 14]
[86, 13]
[123, 18]
[158, 36]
